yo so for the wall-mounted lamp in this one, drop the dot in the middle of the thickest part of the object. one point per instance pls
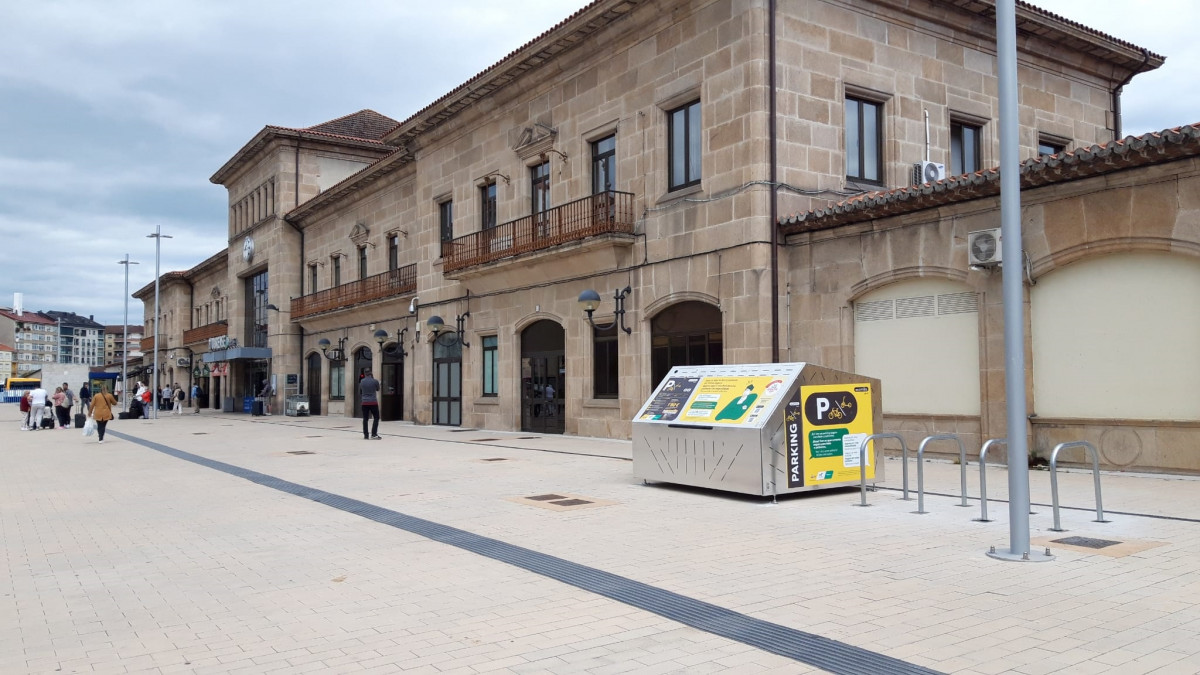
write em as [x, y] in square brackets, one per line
[381, 336]
[272, 307]
[590, 300]
[412, 306]
[561, 154]
[337, 353]
[437, 326]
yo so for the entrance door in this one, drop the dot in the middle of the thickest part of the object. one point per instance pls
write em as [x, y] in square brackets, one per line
[686, 334]
[543, 378]
[362, 363]
[391, 384]
[447, 380]
[313, 383]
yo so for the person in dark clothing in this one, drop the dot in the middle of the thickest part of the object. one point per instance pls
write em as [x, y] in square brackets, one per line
[85, 395]
[368, 387]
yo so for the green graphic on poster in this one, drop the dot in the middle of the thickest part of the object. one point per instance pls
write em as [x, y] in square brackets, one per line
[731, 399]
[837, 418]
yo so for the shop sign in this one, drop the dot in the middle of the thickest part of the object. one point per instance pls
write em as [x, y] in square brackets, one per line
[836, 418]
[221, 342]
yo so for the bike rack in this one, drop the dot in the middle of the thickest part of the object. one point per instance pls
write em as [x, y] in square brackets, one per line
[962, 454]
[983, 475]
[862, 463]
[1095, 477]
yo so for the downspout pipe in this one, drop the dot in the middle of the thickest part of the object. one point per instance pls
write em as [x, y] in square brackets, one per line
[771, 118]
[1116, 94]
[300, 263]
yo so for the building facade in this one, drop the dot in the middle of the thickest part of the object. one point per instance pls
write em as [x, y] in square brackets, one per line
[34, 337]
[80, 339]
[122, 342]
[648, 153]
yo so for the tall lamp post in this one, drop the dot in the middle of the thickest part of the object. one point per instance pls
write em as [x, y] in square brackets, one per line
[158, 236]
[125, 334]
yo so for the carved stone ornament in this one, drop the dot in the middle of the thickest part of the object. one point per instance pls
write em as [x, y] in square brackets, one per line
[216, 292]
[535, 140]
[360, 233]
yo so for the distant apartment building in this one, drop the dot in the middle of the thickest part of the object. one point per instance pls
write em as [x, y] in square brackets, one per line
[121, 341]
[34, 338]
[6, 360]
[80, 338]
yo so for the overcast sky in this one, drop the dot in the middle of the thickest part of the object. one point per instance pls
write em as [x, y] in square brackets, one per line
[114, 114]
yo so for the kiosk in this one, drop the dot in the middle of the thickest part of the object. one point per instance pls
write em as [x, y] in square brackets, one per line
[759, 429]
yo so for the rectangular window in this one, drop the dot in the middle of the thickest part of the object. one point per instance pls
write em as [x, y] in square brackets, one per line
[1046, 148]
[604, 363]
[393, 252]
[337, 380]
[964, 148]
[539, 178]
[490, 366]
[604, 165]
[864, 140]
[362, 262]
[256, 310]
[683, 140]
[312, 278]
[336, 270]
[487, 207]
[446, 221]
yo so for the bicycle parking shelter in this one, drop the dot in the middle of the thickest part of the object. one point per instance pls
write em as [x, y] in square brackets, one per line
[758, 429]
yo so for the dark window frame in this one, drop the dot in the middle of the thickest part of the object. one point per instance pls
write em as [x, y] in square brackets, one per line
[965, 147]
[362, 262]
[1049, 146]
[604, 164]
[335, 272]
[491, 365]
[446, 220]
[312, 279]
[393, 252]
[487, 206]
[337, 386]
[680, 121]
[539, 187]
[606, 352]
[856, 140]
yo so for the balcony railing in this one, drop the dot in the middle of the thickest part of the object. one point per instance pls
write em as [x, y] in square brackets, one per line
[601, 213]
[386, 285]
[202, 333]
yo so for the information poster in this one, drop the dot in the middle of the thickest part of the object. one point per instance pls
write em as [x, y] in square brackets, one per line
[669, 399]
[837, 418]
[732, 400]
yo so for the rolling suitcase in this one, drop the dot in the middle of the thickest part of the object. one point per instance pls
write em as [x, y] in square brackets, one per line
[80, 418]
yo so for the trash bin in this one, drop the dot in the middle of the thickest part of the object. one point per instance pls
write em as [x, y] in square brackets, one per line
[256, 407]
[227, 404]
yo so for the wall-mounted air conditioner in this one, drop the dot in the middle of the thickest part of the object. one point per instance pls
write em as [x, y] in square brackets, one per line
[184, 361]
[928, 172]
[983, 247]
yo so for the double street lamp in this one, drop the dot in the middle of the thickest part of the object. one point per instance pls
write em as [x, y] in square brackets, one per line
[158, 236]
[125, 336]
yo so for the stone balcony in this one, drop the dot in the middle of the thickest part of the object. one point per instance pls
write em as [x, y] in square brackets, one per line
[202, 333]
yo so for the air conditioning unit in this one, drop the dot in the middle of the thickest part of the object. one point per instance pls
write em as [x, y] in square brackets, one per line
[184, 361]
[928, 172]
[983, 247]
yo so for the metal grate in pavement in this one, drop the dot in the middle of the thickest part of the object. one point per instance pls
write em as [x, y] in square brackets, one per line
[494, 459]
[301, 452]
[808, 648]
[1086, 542]
[571, 502]
[545, 498]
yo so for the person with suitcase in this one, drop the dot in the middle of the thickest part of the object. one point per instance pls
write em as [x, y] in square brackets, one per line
[60, 411]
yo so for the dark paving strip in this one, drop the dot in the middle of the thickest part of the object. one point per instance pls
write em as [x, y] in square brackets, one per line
[814, 650]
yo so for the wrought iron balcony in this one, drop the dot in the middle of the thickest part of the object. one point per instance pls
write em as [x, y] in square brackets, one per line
[601, 213]
[202, 333]
[389, 284]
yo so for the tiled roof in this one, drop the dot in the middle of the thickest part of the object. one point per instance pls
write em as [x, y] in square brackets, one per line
[1127, 153]
[162, 279]
[6, 348]
[120, 329]
[365, 124]
[28, 317]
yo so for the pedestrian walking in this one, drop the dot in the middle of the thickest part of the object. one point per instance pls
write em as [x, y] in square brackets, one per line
[368, 388]
[60, 410]
[25, 408]
[177, 397]
[196, 391]
[69, 400]
[164, 400]
[101, 410]
[85, 396]
[37, 405]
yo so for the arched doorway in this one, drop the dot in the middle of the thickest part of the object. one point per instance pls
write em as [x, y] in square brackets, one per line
[312, 383]
[362, 363]
[543, 377]
[447, 379]
[686, 334]
[391, 383]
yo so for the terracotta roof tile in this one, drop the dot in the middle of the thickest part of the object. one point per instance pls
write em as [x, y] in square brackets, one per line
[1126, 153]
[364, 124]
[28, 317]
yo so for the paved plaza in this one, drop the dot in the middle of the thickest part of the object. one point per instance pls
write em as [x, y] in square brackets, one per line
[224, 543]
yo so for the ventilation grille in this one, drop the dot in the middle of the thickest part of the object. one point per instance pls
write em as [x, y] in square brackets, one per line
[917, 307]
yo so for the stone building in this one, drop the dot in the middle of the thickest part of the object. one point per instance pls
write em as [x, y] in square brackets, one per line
[33, 337]
[649, 153]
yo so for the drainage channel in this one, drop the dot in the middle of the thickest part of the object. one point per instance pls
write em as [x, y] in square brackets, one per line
[807, 648]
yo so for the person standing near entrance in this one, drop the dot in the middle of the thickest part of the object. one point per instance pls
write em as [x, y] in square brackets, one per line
[196, 397]
[368, 387]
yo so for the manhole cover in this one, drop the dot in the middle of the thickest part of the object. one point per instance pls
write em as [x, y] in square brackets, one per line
[570, 502]
[1086, 542]
[301, 452]
[545, 498]
[483, 440]
[495, 459]
[314, 436]
[527, 438]
[199, 433]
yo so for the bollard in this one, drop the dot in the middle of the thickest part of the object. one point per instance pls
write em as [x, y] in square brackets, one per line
[862, 465]
[1054, 480]
[983, 476]
[921, 468]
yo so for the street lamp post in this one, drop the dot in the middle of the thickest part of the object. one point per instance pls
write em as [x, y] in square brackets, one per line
[125, 336]
[158, 236]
